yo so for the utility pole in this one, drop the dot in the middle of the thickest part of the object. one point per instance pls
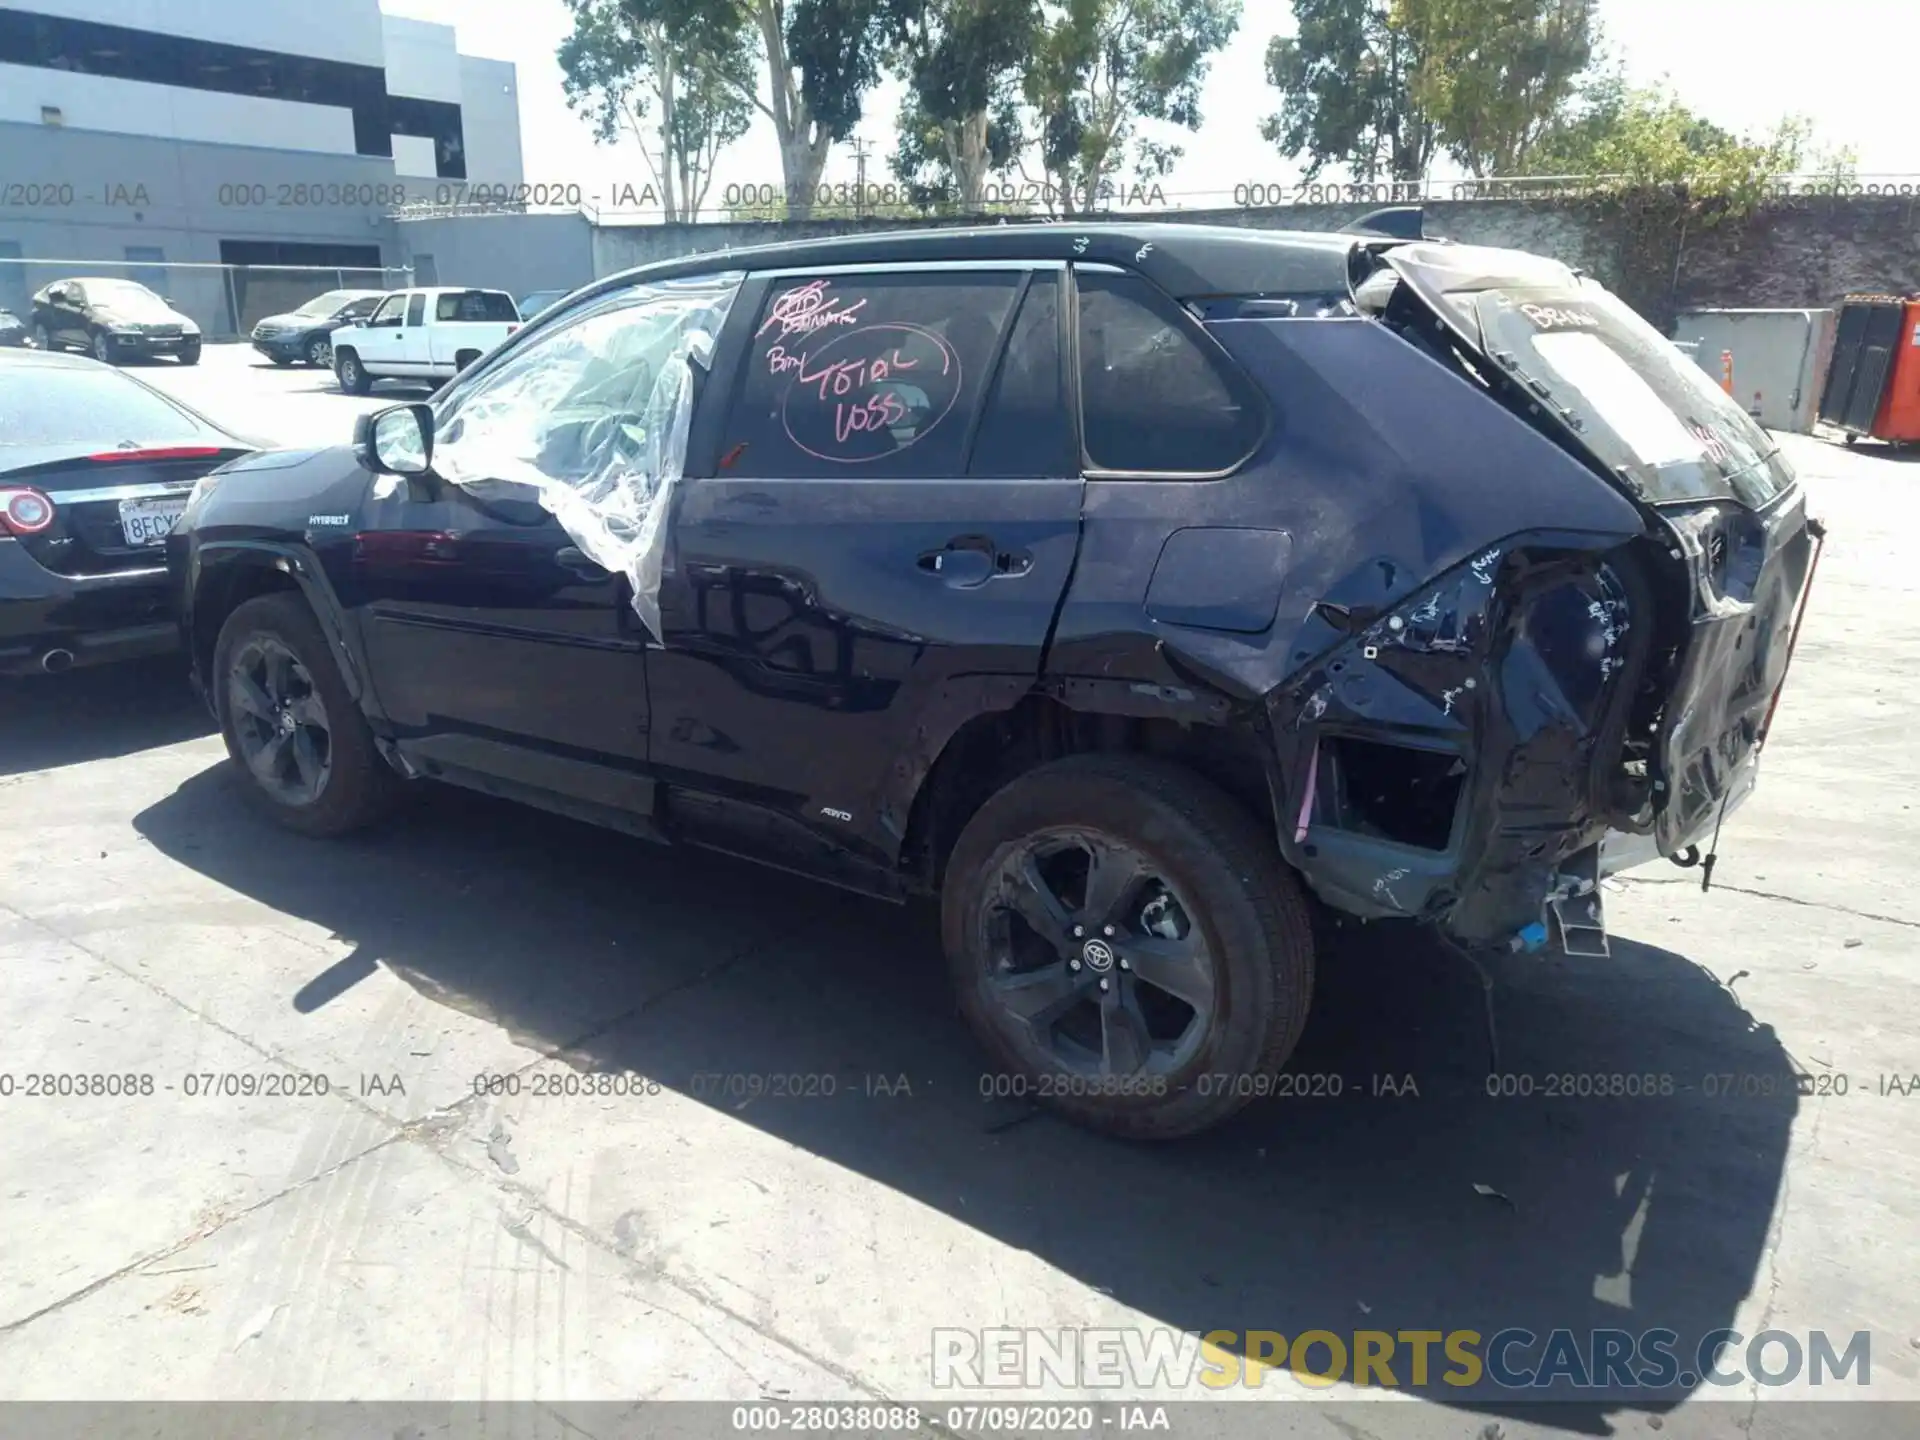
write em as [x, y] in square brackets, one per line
[860, 152]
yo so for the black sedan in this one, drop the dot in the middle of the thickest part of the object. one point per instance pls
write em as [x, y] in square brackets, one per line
[306, 334]
[13, 330]
[94, 469]
[115, 320]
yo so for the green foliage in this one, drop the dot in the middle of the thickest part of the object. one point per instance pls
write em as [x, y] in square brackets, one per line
[1495, 75]
[680, 92]
[923, 157]
[1098, 67]
[1638, 139]
[961, 61]
[1347, 92]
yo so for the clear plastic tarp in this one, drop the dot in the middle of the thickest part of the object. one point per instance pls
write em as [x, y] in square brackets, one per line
[594, 418]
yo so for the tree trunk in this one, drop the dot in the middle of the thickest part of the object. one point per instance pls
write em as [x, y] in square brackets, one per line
[669, 149]
[967, 157]
[803, 144]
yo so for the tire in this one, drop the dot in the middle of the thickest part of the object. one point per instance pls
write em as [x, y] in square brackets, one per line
[358, 786]
[190, 355]
[43, 339]
[1231, 889]
[320, 353]
[103, 348]
[351, 373]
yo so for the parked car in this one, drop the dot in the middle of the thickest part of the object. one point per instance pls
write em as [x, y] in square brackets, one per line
[533, 303]
[113, 320]
[94, 469]
[428, 334]
[306, 334]
[1123, 586]
[13, 331]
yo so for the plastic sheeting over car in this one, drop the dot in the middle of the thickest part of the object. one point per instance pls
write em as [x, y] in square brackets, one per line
[594, 418]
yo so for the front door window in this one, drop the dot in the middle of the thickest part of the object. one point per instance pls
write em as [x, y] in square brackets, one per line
[593, 415]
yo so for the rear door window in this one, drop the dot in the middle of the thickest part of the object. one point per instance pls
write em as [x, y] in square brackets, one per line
[873, 376]
[1027, 427]
[1157, 396]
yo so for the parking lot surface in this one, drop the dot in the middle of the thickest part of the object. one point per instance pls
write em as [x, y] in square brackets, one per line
[478, 1106]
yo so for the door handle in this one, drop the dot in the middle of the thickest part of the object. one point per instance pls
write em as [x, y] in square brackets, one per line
[972, 561]
[572, 557]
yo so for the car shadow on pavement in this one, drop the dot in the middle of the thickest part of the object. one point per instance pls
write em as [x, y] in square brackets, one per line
[1411, 1199]
[101, 711]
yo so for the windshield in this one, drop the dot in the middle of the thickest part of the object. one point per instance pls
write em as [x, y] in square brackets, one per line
[1646, 410]
[326, 304]
[123, 295]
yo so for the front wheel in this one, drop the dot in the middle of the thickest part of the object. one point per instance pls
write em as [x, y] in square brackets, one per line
[305, 754]
[1127, 945]
[320, 353]
[42, 338]
[102, 347]
[190, 354]
[351, 373]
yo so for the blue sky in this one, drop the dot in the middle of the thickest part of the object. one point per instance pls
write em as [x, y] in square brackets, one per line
[1848, 64]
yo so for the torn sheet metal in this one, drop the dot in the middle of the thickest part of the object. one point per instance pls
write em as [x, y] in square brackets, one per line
[594, 418]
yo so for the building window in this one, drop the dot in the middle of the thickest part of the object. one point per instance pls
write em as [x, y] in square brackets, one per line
[85, 47]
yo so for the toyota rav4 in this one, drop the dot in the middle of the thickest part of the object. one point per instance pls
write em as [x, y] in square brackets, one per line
[1131, 589]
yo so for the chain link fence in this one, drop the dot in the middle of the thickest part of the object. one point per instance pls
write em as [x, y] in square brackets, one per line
[225, 301]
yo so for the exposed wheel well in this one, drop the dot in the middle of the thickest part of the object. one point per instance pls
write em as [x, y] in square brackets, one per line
[223, 592]
[464, 358]
[991, 750]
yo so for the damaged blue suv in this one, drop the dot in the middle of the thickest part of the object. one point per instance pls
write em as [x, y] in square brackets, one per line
[1130, 588]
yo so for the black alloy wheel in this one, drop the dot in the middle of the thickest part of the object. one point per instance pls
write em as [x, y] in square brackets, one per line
[1096, 957]
[305, 752]
[1127, 944]
[279, 721]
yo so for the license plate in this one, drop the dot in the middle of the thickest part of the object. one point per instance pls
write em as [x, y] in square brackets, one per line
[146, 521]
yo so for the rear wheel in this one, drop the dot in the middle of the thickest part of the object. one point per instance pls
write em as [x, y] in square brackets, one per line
[305, 754]
[1127, 945]
[351, 373]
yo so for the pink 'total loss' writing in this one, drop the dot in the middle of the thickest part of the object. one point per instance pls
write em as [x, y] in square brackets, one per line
[807, 308]
[843, 377]
[875, 413]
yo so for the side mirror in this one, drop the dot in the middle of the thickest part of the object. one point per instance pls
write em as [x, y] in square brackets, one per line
[395, 441]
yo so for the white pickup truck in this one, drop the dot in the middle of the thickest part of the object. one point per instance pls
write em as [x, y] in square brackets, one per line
[430, 334]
